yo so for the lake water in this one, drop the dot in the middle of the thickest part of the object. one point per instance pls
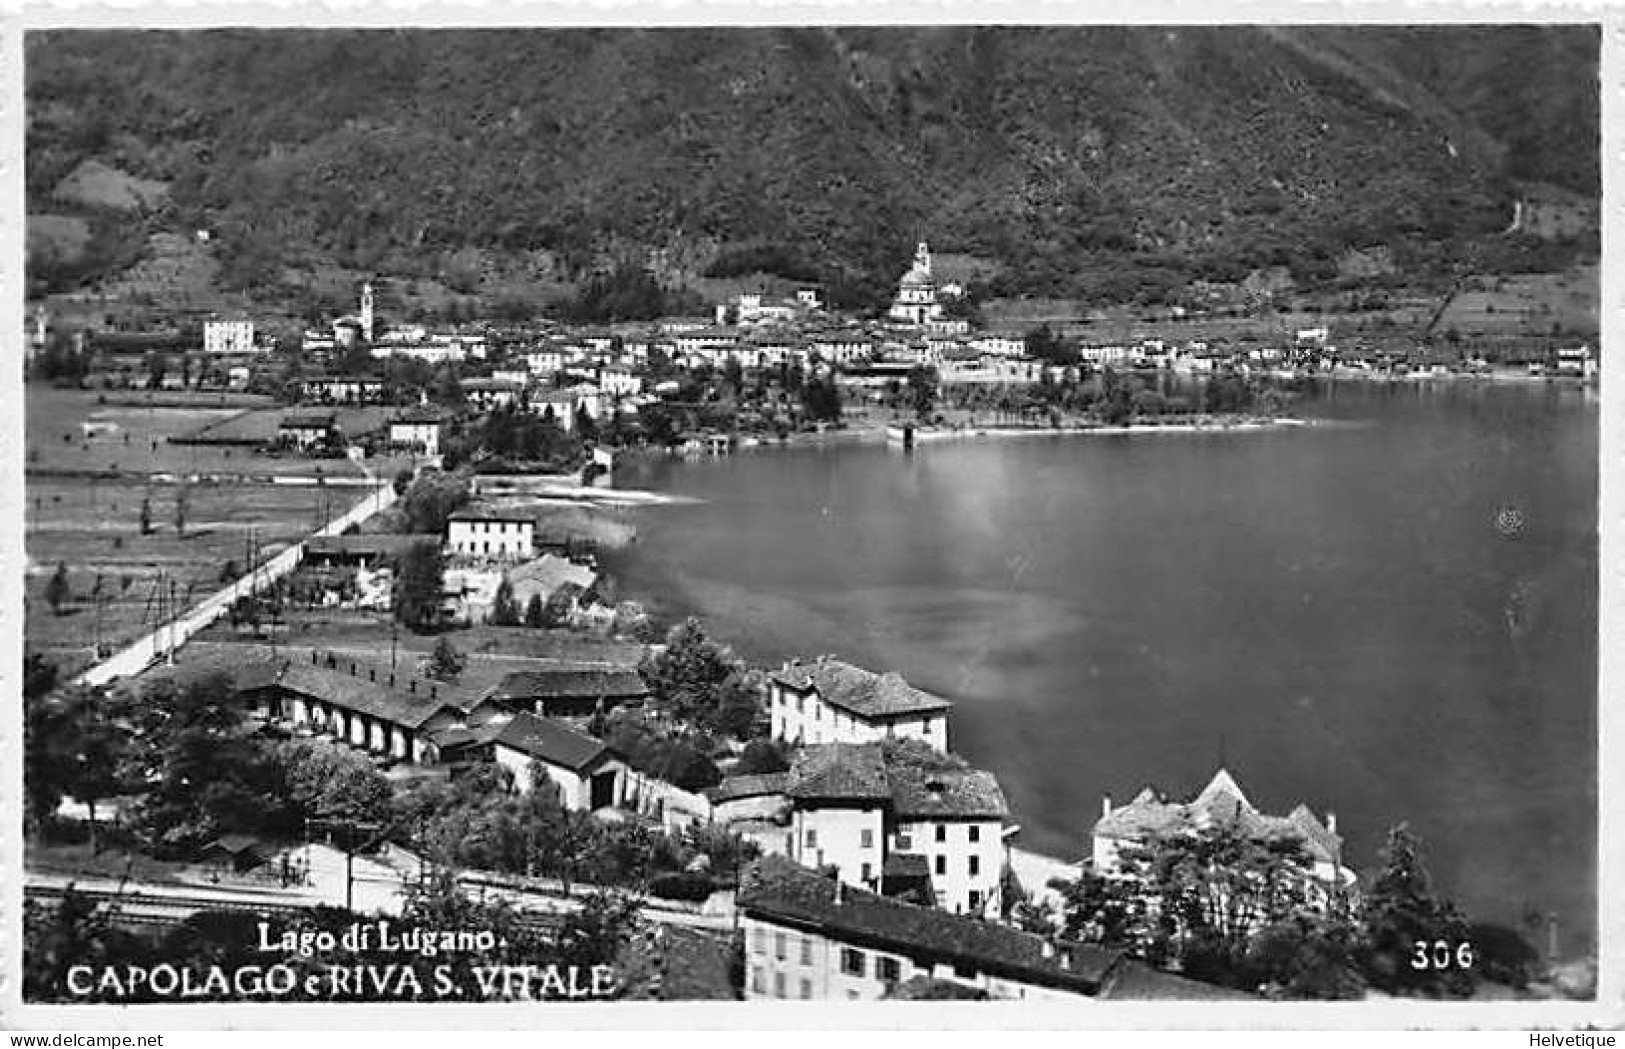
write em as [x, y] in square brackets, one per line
[1392, 615]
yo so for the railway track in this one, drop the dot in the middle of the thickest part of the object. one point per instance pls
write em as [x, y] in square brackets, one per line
[158, 910]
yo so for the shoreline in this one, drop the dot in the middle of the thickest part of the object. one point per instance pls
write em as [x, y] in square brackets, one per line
[878, 434]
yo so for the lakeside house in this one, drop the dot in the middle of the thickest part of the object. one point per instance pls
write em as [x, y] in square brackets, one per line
[487, 532]
[1150, 816]
[858, 809]
[831, 701]
[586, 773]
[808, 936]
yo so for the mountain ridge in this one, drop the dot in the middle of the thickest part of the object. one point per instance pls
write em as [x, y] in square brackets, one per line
[1097, 161]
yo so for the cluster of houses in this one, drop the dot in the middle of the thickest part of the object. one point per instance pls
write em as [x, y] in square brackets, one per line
[885, 857]
[485, 545]
[529, 722]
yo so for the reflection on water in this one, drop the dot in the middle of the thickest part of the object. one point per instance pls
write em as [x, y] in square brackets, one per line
[1393, 620]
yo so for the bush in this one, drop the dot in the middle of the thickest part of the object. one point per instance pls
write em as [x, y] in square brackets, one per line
[682, 885]
[761, 756]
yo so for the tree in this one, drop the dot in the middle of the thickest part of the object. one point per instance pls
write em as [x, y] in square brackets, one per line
[504, 610]
[922, 389]
[332, 782]
[208, 771]
[418, 585]
[1108, 911]
[73, 746]
[445, 662]
[585, 428]
[1042, 344]
[1307, 956]
[1209, 890]
[1400, 912]
[182, 501]
[146, 515]
[57, 591]
[447, 389]
[431, 500]
[1502, 954]
[821, 400]
[595, 932]
[534, 612]
[39, 675]
[700, 682]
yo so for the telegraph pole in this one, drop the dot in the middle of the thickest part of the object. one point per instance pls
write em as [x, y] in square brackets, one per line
[171, 655]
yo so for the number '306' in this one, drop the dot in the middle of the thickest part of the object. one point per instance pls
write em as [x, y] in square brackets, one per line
[1441, 954]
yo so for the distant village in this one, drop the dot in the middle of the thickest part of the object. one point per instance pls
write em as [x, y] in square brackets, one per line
[609, 374]
[877, 860]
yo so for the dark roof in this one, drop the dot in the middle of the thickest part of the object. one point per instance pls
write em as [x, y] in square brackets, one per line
[936, 793]
[419, 417]
[551, 741]
[839, 772]
[491, 513]
[306, 420]
[571, 683]
[385, 544]
[407, 709]
[868, 695]
[777, 890]
[236, 844]
[752, 786]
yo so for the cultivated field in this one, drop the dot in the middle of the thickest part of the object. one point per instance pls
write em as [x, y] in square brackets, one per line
[72, 431]
[83, 508]
[1528, 305]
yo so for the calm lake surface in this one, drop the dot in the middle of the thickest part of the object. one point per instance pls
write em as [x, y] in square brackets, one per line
[1392, 615]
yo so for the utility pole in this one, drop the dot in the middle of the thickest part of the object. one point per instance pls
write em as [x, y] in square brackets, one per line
[172, 615]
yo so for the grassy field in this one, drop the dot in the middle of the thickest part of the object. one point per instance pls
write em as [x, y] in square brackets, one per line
[93, 528]
[1526, 305]
[1490, 313]
[69, 430]
[91, 524]
[262, 425]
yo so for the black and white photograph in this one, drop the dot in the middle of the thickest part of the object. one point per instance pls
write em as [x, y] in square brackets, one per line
[1078, 515]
